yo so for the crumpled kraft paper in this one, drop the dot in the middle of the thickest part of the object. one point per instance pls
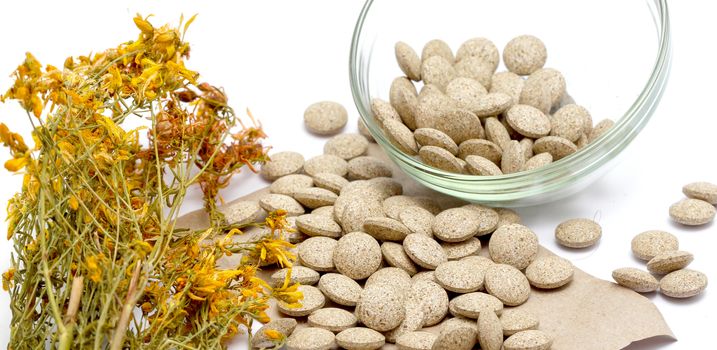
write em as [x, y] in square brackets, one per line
[587, 314]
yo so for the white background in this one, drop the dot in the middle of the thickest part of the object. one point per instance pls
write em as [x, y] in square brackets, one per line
[277, 57]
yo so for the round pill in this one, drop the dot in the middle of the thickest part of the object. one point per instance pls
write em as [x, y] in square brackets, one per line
[528, 121]
[472, 304]
[508, 284]
[299, 274]
[408, 61]
[648, 244]
[683, 283]
[357, 255]
[456, 276]
[340, 289]
[692, 212]
[635, 279]
[332, 319]
[326, 163]
[578, 233]
[282, 164]
[513, 244]
[273, 202]
[381, 307]
[460, 250]
[549, 272]
[456, 224]
[490, 331]
[524, 54]
[346, 146]
[313, 300]
[317, 253]
[517, 320]
[325, 118]
[432, 298]
[360, 338]
[311, 338]
[701, 190]
[530, 339]
[667, 262]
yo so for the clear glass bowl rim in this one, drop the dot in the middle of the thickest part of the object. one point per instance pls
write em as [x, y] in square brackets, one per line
[511, 186]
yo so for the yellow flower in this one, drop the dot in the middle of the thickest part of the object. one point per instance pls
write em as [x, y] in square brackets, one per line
[94, 269]
[288, 294]
[16, 164]
[7, 277]
[73, 202]
[273, 334]
[143, 24]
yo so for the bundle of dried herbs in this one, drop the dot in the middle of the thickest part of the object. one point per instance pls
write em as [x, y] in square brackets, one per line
[98, 261]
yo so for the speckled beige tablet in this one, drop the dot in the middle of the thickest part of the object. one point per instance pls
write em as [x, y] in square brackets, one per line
[528, 121]
[325, 118]
[285, 326]
[650, 243]
[465, 91]
[455, 336]
[290, 183]
[424, 251]
[360, 338]
[438, 71]
[433, 137]
[490, 331]
[394, 205]
[381, 307]
[524, 54]
[582, 141]
[382, 111]
[527, 144]
[516, 320]
[432, 298]
[363, 130]
[507, 283]
[481, 48]
[702, 190]
[395, 256]
[413, 321]
[496, 133]
[513, 158]
[313, 300]
[508, 83]
[459, 124]
[300, 274]
[513, 244]
[550, 79]
[458, 250]
[480, 147]
[635, 279]
[479, 264]
[487, 218]
[391, 275]
[318, 225]
[456, 224]
[507, 216]
[417, 220]
[600, 128]
[242, 212]
[282, 164]
[271, 202]
[537, 161]
[477, 165]
[528, 340]
[667, 262]
[683, 283]
[385, 229]
[317, 253]
[571, 121]
[314, 197]
[692, 212]
[440, 158]
[311, 338]
[491, 104]
[346, 146]
[426, 275]
[476, 69]
[472, 304]
[326, 163]
[367, 167]
[558, 147]
[400, 136]
[331, 182]
[357, 210]
[418, 340]
[456, 276]
[357, 255]
[408, 61]
[549, 272]
[332, 319]
[437, 47]
[578, 233]
[340, 289]
[536, 95]
[404, 99]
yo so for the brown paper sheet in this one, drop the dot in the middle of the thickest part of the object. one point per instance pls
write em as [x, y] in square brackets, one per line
[587, 314]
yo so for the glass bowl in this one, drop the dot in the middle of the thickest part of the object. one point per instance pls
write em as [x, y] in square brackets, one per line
[614, 54]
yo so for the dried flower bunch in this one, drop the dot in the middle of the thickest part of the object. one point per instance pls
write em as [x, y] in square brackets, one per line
[98, 260]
